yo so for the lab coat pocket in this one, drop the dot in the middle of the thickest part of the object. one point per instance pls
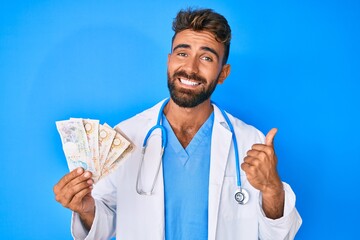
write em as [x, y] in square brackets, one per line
[230, 209]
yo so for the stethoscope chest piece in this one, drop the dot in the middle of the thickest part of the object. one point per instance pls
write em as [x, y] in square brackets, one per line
[241, 196]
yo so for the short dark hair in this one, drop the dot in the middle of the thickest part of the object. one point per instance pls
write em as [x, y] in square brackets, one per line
[204, 20]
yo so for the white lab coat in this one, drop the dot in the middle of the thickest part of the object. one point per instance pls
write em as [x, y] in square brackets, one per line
[121, 210]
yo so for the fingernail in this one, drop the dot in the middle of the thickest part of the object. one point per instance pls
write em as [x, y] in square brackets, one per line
[90, 181]
[79, 170]
[87, 174]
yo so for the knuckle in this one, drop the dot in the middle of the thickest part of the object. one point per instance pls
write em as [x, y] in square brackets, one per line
[68, 177]
[252, 168]
[65, 204]
[55, 189]
[68, 195]
[270, 150]
[63, 201]
[262, 155]
[57, 198]
[76, 198]
[255, 164]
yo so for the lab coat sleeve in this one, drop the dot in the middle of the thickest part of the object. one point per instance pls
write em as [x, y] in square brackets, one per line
[104, 224]
[285, 227]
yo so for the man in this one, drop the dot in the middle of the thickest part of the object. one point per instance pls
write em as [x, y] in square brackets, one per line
[192, 195]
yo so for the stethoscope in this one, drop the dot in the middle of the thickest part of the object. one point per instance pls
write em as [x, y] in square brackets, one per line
[241, 195]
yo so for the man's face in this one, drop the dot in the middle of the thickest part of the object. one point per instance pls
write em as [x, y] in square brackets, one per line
[195, 67]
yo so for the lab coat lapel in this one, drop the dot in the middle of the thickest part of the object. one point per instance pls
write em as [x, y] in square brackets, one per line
[220, 147]
[152, 207]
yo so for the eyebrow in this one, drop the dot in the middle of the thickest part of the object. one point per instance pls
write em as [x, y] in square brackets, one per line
[187, 46]
[211, 50]
[183, 45]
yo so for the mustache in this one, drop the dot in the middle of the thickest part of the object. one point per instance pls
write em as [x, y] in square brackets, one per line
[192, 76]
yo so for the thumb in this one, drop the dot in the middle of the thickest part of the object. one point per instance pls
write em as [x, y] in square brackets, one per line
[269, 139]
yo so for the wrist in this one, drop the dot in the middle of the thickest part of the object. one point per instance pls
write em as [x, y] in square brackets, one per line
[87, 218]
[273, 190]
[273, 201]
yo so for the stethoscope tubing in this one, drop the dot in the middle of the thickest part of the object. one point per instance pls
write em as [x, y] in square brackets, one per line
[236, 149]
[158, 125]
[164, 142]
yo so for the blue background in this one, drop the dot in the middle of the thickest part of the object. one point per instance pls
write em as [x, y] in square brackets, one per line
[295, 66]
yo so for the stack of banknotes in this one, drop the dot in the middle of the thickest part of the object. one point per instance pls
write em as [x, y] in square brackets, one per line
[96, 147]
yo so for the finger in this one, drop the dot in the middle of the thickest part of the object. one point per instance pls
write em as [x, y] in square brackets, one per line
[73, 190]
[68, 178]
[70, 192]
[84, 178]
[260, 149]
[64, 194]
[81, 178]
[269, 139]
[248, 169]
[76, 201]
[245, 166]
[248, 159]
[252, 161]
[258, 152]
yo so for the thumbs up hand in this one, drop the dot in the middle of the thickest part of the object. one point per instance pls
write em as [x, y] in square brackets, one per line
[260, 168]
[260, 165]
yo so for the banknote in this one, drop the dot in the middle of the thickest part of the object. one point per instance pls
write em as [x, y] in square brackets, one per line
[131, 146]
[75, 144]
[93, 146]
[92, 132]
[106, 137]
[124, 155]
[117, 162]
[91, 127]
[118, 146]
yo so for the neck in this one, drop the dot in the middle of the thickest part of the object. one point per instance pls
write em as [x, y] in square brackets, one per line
[185, 122]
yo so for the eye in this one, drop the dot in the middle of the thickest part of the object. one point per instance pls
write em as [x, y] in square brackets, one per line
[181, 54]
[206, 58]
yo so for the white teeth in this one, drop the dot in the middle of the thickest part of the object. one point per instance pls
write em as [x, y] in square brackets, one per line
[188, 82]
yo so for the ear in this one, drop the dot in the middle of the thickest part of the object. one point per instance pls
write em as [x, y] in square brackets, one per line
[169, 55]
[225, 72]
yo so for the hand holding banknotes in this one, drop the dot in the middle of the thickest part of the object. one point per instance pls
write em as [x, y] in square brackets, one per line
[73, 191]
[92, 151]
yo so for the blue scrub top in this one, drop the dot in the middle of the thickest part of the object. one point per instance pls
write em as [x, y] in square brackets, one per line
[186, 184]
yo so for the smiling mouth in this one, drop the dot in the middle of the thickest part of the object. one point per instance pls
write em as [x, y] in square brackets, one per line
[188, 82]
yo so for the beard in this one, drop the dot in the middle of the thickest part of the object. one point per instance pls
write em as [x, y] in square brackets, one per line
[187, 98]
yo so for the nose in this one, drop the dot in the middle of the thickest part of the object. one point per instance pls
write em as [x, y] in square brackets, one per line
[191, 65]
